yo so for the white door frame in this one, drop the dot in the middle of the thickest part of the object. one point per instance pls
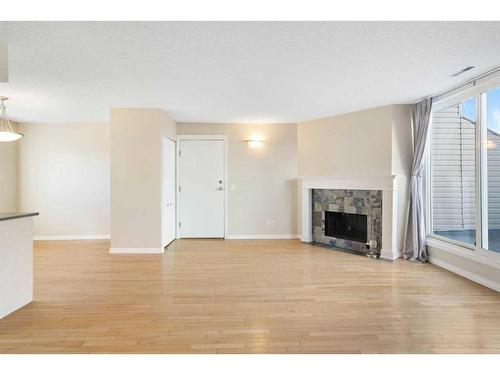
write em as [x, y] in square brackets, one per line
[163, 182]
[226, 179]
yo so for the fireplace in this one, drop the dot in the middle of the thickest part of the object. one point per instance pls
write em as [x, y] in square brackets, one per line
[347, 219]
[376, 197]
[346, 226]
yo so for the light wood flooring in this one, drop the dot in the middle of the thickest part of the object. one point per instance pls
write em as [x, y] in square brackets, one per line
[214, 296]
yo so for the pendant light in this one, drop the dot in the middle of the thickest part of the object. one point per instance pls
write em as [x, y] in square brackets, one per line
[7, 133]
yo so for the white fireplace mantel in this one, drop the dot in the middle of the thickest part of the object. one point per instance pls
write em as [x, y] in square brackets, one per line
[388, 186]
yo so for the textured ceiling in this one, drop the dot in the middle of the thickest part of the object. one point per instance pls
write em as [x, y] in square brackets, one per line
[235, 71]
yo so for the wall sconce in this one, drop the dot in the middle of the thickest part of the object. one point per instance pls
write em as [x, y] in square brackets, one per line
[254, 143]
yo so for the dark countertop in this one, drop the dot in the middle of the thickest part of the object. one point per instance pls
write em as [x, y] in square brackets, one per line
[15, 215]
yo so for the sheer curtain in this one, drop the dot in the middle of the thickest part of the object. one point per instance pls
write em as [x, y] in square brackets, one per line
[414, 246]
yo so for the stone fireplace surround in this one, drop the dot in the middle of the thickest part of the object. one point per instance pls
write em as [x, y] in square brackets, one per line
[388, 186]
[364, 202]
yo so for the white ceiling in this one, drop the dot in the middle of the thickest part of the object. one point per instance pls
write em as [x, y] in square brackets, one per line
[235, 71]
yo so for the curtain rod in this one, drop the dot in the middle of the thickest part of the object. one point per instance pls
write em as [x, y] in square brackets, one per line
[472, 80]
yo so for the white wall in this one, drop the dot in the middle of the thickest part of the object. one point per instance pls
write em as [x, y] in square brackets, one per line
[371, 143]
[263, 180]
[65, 170]
[136, 170]
[351, 144]
[64, 175]
[8, 176]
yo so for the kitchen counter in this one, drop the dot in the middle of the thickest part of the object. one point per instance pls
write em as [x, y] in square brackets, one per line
[16, 215]
[16, 261]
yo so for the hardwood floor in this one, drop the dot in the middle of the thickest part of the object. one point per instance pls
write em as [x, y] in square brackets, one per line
[214, 296]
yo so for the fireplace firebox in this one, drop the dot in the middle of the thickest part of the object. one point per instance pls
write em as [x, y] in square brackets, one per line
[352, 227]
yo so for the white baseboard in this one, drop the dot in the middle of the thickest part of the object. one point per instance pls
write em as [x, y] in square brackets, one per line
[136, 250]
[73, 237]
[468, 275]
[262, 236]
[391, 255]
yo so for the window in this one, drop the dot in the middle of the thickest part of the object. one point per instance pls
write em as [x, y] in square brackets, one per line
[464, 170]
[491, 221]
[453, 172]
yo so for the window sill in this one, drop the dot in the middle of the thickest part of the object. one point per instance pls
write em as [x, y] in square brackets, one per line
[463, 252]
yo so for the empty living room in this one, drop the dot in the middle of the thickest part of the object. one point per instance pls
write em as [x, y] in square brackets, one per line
[231, 186]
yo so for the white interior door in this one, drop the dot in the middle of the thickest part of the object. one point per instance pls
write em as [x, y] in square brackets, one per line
[201, 188]
[168, 192]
